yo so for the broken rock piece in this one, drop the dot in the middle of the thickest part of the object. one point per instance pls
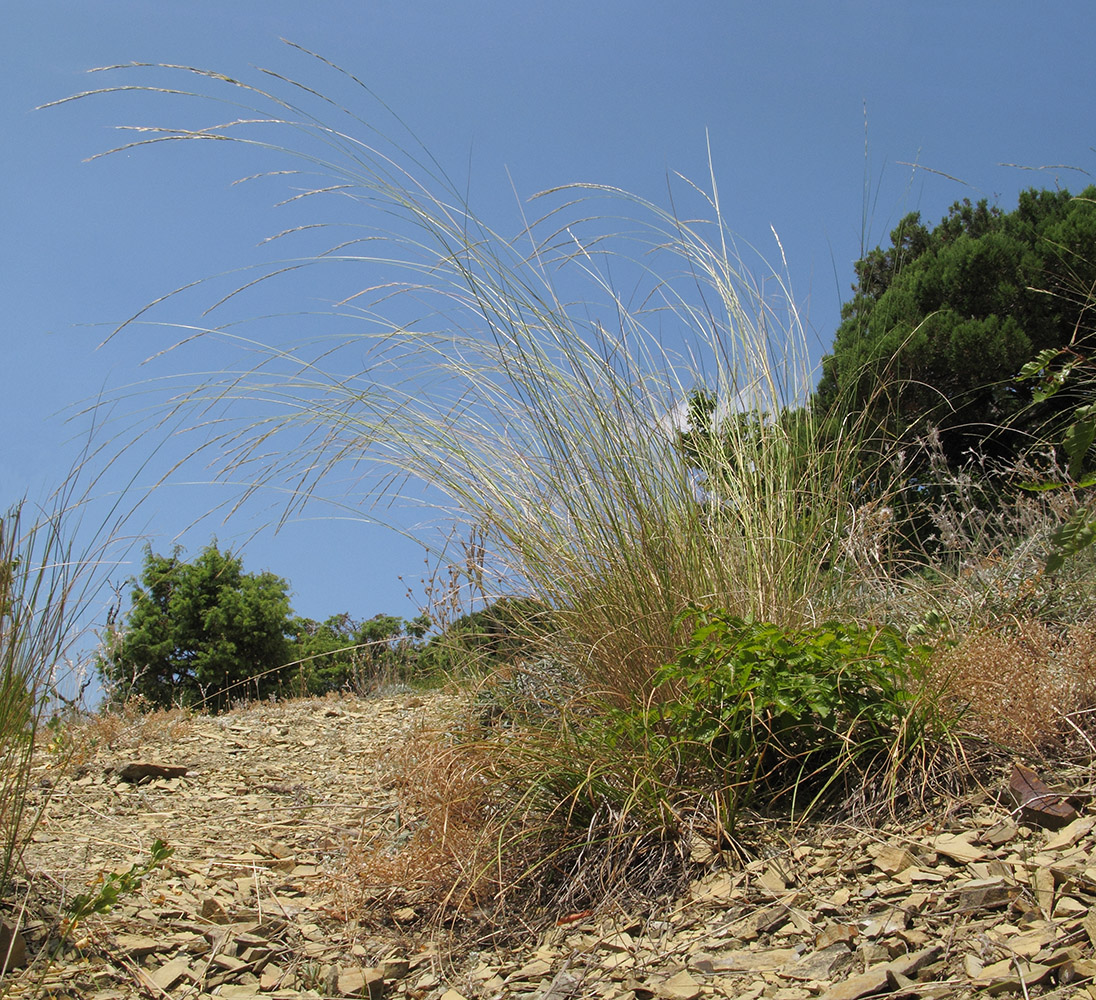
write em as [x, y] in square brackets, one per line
[140, 770]
[1038, 804]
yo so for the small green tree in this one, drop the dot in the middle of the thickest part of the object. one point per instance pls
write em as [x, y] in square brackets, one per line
[1051, 371]
[342, 653]
[941, 320]
[198, 632]
[508, 630]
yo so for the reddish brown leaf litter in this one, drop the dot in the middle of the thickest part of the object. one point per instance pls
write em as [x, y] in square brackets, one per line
[275, 798]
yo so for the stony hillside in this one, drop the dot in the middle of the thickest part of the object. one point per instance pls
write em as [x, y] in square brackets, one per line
[269, 809]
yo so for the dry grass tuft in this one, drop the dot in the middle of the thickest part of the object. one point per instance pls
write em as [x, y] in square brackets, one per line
[1027, 686]
[128, 727]
[440, 854]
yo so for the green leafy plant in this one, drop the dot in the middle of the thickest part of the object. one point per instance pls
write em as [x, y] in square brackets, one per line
[751, 709]
[1052, 371]
[748, 716]
[750, 689]
[115, 886]
[342, 653]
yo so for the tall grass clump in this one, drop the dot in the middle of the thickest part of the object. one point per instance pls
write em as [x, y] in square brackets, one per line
[623, 453]
[36, 598]
[615, 401]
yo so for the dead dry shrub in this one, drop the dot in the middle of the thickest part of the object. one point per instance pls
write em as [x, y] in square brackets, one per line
[440, 854]
[1029, 686]
[471, 851]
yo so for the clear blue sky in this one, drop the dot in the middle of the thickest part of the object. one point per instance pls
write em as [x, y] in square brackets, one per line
[619, 92]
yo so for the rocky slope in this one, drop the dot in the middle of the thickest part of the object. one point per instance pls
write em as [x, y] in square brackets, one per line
[264, 808]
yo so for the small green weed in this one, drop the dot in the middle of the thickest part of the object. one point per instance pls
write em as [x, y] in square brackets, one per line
[115, 886]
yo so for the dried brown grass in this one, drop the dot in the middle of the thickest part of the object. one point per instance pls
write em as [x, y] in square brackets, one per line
[440, 855]
[126, 727]
[1028, 686]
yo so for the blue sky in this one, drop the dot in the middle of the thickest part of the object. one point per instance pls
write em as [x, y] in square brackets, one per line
[813, 111]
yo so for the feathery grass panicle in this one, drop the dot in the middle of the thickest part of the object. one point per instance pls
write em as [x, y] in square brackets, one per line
[525, 392]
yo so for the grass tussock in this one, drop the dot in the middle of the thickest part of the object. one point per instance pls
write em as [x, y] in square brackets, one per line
[615, 470]
[36, 598]
[615, 405]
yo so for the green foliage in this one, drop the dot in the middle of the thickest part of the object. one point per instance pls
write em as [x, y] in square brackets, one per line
[748, 714]
[203, 632]
[507, 631]
[117, 885]
[942, 319]
[342, 653]
[1053, 371]
[752, 709]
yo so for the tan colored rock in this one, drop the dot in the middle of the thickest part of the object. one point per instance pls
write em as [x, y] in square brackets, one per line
[1032, 941]
[832, 933]
[1070, 834]
[680, 986]
[985, 894]
[742, 960]
[751, 926]
[1089, 925]
[617, 941]
[915, 873]
[959, 847]
[890, 860]
[395, 968]
[1067, 907]
[357, 982]
[885, 924]
[972, 965]
[1079, 968]
[825, 963]
[1011, 975]
[535, 969]
[213, 910]
[271, 978]
[1042, 882]
[879, 977]
[1001, 833]
[167, 975]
